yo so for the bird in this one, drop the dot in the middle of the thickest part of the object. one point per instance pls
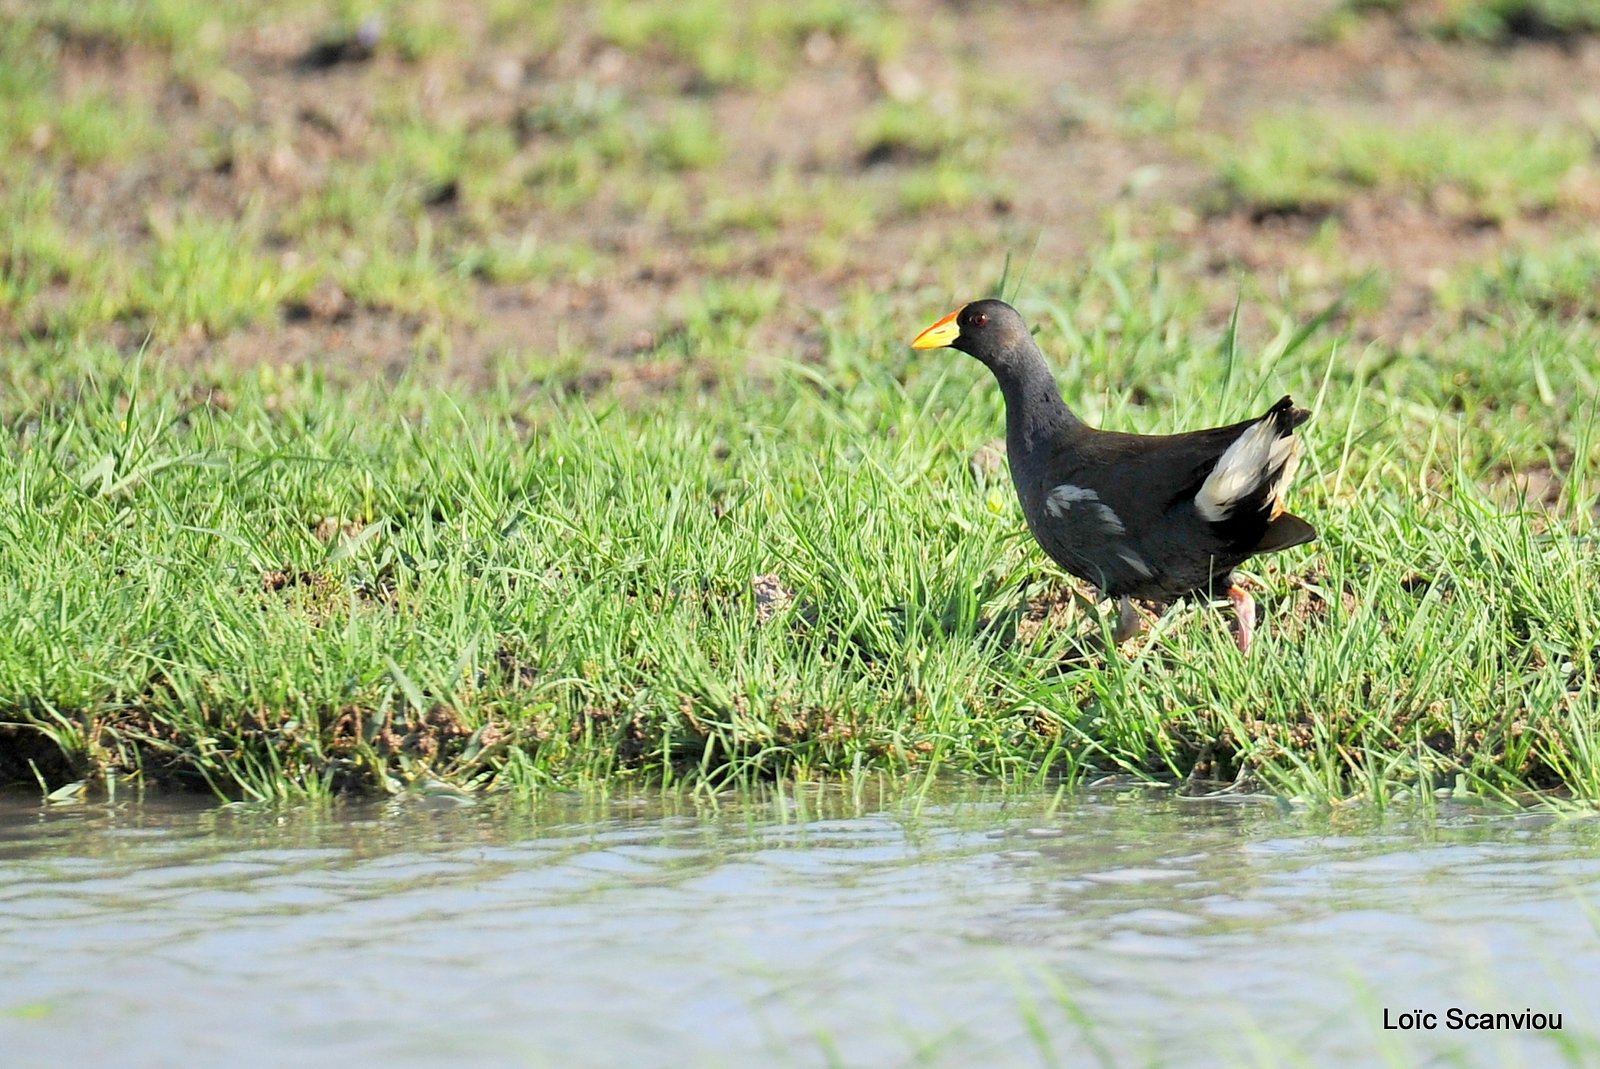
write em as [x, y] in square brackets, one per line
[1155, 517]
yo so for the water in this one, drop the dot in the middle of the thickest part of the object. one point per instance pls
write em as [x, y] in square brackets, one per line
[974, 930]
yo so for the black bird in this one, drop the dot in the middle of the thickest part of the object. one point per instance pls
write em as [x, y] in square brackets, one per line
[1137, 515]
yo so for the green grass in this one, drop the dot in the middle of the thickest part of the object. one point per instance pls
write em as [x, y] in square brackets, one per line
[84, 126]
[1561, 281]
[1501, 20]
[912, 131]
[511, 260]
[686, 140]
[945, 186]
[186, 30]
[176, 204]
[948, 151]
[731, 44]
[1305, 162]
[407, 280]
[277, 584]
[213, 276]
[37, 252]
[1483, 21]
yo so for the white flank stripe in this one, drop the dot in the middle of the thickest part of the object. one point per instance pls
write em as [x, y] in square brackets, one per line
[1136, 562]
[1241, 469]
[1058, 501]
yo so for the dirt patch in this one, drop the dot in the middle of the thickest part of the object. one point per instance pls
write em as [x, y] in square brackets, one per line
[412, 741]
[439, 730]
[771, 596]
[1058, 609]
[1534, 489]
[280, 579]
[28, 755]
[1050, 114]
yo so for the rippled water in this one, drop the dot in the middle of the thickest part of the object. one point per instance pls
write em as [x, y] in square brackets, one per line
[971, 930]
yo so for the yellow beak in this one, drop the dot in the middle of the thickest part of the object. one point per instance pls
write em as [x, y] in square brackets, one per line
[940, 334]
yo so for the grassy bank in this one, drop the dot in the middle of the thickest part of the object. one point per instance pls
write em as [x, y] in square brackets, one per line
[509, 395]
[271, 582]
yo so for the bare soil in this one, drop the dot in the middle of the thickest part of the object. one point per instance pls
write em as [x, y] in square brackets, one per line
[1064, 156]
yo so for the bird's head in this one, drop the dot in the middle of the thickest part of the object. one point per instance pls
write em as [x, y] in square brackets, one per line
[990, 330]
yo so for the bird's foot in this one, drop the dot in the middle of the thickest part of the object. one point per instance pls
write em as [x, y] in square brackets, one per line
[1127, 625]
[1128, 622]
[1244, 607]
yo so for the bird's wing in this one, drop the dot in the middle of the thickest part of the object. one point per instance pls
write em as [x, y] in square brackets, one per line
[1233, 477]
[1238, 488]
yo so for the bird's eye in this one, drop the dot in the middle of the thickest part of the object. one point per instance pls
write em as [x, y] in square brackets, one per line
[978, 320]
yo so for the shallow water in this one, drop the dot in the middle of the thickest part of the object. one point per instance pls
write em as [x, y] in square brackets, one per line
[1110, 928]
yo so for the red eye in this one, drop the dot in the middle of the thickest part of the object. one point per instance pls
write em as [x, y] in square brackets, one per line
[978, 320]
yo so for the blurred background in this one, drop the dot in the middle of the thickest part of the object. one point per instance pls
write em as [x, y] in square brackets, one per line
[630, 190]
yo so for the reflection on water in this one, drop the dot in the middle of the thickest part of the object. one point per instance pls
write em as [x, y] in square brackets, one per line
[811, 930]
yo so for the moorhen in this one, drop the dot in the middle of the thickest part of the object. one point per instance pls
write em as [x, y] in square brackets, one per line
[1137, 515]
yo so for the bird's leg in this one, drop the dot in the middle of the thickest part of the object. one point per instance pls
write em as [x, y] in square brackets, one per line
[1128, 622]
[1244, 607]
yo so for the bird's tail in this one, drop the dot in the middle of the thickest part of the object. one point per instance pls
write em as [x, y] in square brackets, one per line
[1255, 470]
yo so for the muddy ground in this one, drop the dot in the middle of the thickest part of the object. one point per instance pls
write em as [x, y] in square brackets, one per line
[1063, 116]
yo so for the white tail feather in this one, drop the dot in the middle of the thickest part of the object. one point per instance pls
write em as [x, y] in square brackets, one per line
[1243, 467]
[1290, 466]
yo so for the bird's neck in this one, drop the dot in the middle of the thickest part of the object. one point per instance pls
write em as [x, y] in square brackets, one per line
[1035, 413]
